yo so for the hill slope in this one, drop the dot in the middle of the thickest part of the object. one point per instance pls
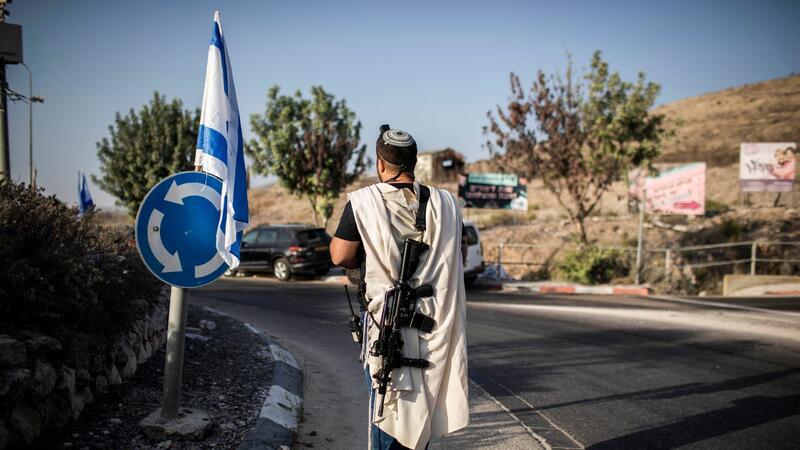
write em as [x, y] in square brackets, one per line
[710, 127]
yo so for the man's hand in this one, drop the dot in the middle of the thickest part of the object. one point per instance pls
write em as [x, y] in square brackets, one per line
[345, 253]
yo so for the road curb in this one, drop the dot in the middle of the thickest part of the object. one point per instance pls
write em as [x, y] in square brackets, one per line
[280, 414]
[551, 288]
[341, 279]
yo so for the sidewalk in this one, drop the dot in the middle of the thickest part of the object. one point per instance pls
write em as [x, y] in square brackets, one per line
[560, 287]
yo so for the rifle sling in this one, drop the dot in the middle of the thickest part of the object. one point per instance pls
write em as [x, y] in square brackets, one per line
[424, 196]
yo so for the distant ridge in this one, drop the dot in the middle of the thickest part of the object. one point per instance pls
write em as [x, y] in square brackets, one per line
[711, 126]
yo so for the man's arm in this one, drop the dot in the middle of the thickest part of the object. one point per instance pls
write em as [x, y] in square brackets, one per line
[346, 241]
[345, 253]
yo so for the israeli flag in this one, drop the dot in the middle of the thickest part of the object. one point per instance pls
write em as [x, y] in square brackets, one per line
[85, 202]
[220, 149]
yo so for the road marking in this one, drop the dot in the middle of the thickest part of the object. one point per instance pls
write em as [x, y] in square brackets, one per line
[528, 429]
[668, 298]
[578, 445]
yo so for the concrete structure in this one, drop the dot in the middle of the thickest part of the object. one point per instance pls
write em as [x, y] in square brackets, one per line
[439, 166]
[748, 285]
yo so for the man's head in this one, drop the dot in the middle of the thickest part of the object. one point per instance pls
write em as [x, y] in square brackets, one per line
[397, 154]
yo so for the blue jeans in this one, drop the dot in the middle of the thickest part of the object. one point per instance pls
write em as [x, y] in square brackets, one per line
[380, 439]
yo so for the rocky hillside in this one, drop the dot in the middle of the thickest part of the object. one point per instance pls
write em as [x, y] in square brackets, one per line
[710, 127]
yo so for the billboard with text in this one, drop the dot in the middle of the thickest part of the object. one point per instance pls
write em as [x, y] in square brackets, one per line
[493, 190]
[767, 167]
[677, 189]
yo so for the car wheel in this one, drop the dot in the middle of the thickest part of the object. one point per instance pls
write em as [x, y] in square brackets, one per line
[281, 269]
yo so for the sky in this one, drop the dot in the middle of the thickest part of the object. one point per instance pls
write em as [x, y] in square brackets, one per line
[431, 68]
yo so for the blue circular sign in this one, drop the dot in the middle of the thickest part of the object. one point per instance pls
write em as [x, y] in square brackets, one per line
[176, 229]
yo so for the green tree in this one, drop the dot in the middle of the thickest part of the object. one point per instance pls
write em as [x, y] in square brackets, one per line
[144, 147]
[578, 137]
[308, 143]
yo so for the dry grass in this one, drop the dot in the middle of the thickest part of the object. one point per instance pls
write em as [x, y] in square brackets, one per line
[710, 127]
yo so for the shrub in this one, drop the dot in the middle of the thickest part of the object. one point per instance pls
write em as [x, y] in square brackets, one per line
[714, 206]
[731, 230]
[60, 274]
[592, 265]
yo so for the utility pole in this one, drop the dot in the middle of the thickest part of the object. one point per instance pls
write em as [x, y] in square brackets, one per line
[5, 160]
[10, 53]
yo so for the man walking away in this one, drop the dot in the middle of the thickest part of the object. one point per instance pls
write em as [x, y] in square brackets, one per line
[426, 396]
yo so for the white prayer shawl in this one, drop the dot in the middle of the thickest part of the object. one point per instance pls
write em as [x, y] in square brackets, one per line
[421, 403]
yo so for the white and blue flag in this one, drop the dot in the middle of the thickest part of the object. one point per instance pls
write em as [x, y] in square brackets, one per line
[220, 149]
[85, 202]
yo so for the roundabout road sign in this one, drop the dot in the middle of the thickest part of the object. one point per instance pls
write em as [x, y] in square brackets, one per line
[176, 229]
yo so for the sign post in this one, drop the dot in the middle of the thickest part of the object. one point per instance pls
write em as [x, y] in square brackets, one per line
[640, 241]
[176, 229]
[173, 362]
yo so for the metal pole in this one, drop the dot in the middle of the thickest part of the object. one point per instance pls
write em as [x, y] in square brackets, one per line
[499, 255]
[173, 365]
[5, 161]
[753, 250]
[640, 244]
[668, 264]
[30, 123]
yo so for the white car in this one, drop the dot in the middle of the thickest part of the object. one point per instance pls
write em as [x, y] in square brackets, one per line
[474, 264]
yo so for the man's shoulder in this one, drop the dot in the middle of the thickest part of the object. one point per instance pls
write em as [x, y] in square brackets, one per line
[360, 192]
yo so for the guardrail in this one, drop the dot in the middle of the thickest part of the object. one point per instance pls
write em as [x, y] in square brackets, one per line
[674, 258]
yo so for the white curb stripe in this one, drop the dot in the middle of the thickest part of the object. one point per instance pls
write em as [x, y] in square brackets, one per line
[281, 407]
[252, 328]
[281, 354]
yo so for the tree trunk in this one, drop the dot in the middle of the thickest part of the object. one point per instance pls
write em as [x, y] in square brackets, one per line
[313, 203]
[581, 229]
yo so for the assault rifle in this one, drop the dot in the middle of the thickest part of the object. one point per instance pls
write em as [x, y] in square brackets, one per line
[399, 310]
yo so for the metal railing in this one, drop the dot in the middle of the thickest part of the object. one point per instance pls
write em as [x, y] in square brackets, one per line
[674, 258]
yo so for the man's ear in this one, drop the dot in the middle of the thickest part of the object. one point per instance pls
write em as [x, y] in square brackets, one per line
[380, 165]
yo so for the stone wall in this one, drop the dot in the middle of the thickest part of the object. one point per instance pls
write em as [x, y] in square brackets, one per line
[45, 383]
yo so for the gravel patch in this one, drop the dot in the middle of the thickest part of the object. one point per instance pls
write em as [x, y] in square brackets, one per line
[226, 375]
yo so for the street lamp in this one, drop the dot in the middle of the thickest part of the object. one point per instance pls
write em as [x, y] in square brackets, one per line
[31, 100]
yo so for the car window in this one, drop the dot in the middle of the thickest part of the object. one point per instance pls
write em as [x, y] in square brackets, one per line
[266, 237]
[472, 235]
[309, 236]
[250, 238]
[284, 235]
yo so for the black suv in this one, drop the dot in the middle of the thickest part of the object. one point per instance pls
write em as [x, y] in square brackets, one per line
[285, 250]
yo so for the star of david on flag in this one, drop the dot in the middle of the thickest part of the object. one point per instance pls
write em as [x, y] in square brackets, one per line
[220, 149]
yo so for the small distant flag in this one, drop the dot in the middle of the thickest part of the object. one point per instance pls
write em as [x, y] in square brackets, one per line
[220, 148]
[85, 202]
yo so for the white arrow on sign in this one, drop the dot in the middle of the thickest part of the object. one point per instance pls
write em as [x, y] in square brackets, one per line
[208, 267]
[177, 193]
[171, 262]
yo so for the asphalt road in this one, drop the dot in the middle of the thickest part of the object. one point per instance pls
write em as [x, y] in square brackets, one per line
[580, 371]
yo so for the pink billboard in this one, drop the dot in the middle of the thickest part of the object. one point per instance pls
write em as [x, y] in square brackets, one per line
[677, 189]
[767, 167]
